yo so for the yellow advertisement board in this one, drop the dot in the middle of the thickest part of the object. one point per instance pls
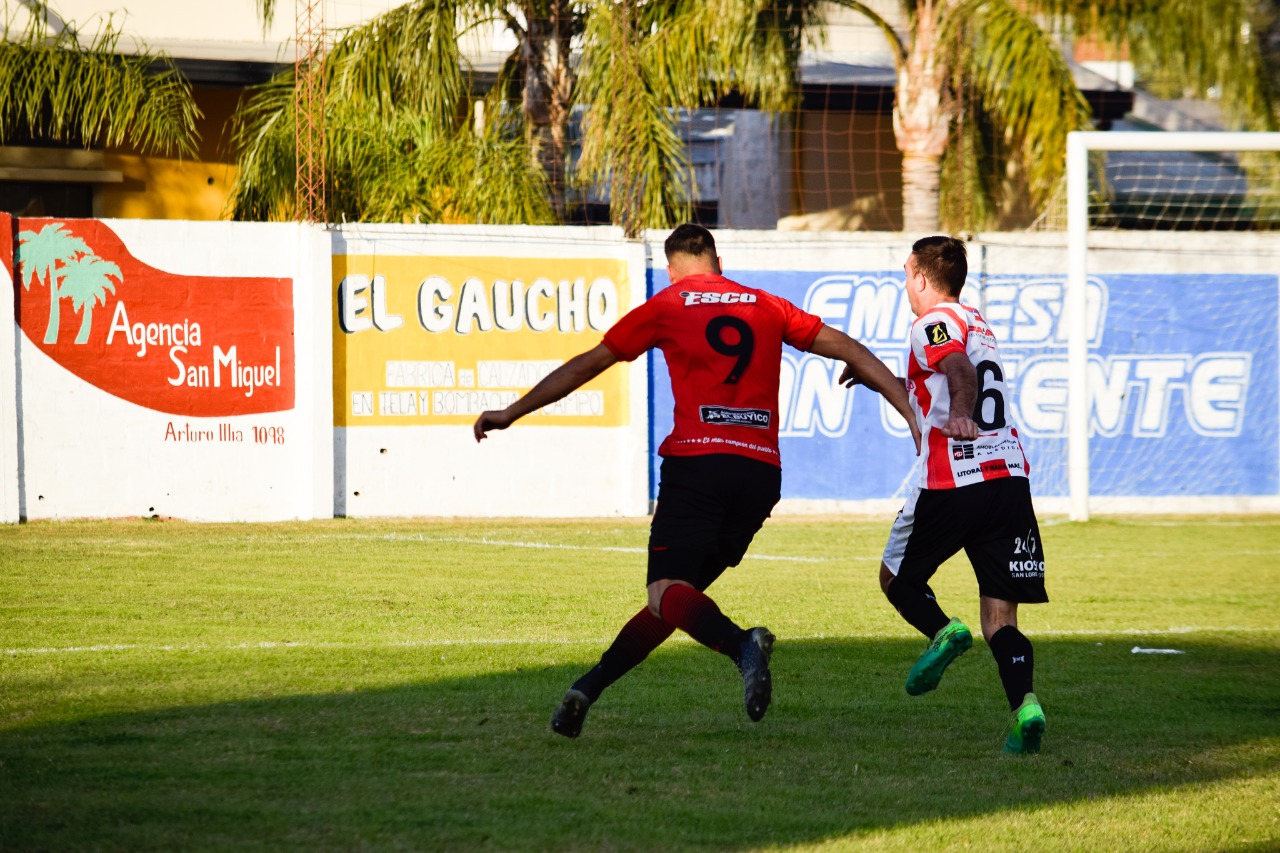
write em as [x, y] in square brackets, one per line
[434, 340]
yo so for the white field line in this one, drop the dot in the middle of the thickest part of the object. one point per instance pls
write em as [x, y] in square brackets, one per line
[842, 558]
[598, 548]
[596, 641]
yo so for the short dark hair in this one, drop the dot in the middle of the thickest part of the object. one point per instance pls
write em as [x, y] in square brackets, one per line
[690, 239]
[944, 261]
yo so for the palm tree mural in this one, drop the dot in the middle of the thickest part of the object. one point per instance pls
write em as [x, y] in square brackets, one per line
[86, 281]
[399, 93]
[43, 258]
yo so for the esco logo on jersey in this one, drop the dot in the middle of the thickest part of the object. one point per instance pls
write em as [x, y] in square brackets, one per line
[711, 297]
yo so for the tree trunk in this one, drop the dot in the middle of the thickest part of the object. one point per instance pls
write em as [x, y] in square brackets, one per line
[55, 310]
[922, 122]
[548, 92]
[86, 323]
[920, 180]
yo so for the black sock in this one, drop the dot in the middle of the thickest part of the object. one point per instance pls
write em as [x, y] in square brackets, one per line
[641, 635]
[1012, 651]
[918, 606]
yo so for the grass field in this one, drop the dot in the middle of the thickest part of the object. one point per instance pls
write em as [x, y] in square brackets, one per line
[388, 684]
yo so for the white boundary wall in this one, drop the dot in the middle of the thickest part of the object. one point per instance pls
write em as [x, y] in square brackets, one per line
[1168, 308]
[756, 258]
[10, 495]
[1080, 261]
[398, 451]
[89, 452]
[399, 339]
[1180, 264]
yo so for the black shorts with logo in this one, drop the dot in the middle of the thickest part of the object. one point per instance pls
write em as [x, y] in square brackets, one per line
[709, 509]
[993, 521]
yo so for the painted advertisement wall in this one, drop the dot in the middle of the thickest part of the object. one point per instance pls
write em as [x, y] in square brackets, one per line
[1183, 383]
[433, 325]
[232, 371]
[171, 369]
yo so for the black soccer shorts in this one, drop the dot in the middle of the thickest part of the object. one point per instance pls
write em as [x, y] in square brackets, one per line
[709, 509]
[993, 521]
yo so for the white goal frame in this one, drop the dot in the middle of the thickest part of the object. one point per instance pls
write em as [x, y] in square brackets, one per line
[1079, 144]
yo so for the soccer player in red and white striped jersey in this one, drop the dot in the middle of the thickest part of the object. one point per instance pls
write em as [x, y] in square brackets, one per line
[970, 490]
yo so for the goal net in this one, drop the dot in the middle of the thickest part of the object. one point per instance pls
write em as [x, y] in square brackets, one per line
[1171, 319]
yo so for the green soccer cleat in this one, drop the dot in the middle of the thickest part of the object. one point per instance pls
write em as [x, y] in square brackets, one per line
[952, 641]
[1027, 729]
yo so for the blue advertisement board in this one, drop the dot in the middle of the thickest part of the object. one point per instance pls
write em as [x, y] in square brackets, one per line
[1182, 382]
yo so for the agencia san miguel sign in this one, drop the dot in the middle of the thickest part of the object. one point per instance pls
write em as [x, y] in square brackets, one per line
[192, 345]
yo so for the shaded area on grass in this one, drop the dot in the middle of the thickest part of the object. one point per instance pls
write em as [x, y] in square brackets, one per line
[667, 759]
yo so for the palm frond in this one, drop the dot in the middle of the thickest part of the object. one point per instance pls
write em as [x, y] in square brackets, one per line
[462, 179]
[629, 139]
[969, 195]
[1197, 48]
[701, 50]
[897, 48]
[400, 68]
[1022, 84]
[56, 88]
[404, 59]
[385, 168]
[641, 62]
[679, 40]
[262, 134]
[266, 13]
[759, 44]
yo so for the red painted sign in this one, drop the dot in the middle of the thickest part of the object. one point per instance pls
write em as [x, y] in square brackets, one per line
[202, 346]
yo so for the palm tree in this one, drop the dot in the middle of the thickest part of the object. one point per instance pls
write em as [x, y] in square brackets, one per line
[640, 62]
[643, 61]
[984, 98]
[983, 89]
[45, 255]
[85, 281]
[58, 88]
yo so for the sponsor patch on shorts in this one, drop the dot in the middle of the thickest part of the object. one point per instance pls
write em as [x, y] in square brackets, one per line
[723, 416]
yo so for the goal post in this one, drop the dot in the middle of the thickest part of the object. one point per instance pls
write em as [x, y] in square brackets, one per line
[1080, 144]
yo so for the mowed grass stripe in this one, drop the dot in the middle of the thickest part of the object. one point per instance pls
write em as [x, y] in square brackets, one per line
[343, 685]
[579, 641]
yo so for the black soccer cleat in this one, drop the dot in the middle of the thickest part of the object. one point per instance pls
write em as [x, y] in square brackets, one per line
[757, 683]
[567, 720]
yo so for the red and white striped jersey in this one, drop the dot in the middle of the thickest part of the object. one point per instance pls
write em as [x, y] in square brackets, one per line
[946, 463]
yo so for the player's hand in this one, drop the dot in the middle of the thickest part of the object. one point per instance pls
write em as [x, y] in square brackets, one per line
[960, 426]
[490, 420]
[849, 377]
[915, 434]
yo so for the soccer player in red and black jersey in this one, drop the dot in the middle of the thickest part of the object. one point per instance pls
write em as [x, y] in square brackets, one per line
[721, 473]
[971, 490]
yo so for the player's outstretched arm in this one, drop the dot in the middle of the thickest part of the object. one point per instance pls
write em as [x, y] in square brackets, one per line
[566, 378]
[962, 385]
[862, 366]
